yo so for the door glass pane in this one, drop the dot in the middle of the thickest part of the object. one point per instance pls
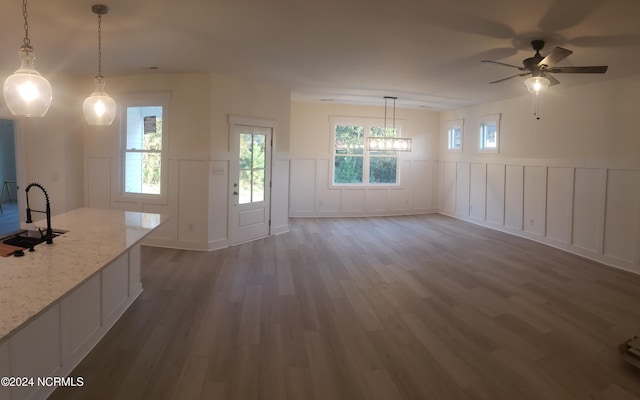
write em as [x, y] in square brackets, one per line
[246, 148]
[258, 151]
[252, 168]
[258, 185]
[244, 186]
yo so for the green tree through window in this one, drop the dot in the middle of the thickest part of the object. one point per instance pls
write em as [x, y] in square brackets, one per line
[355, 166]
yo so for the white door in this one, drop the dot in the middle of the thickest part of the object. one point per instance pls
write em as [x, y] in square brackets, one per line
[250, 179]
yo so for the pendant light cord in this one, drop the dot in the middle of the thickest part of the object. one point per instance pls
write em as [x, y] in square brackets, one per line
[100, 45]
[27, 41]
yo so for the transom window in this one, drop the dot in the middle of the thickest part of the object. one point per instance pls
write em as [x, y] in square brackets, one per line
[490, 133]
[454, 135]
[352, 164]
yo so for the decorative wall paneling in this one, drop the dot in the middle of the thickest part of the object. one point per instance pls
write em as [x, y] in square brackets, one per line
[593, 212]
[314, 196]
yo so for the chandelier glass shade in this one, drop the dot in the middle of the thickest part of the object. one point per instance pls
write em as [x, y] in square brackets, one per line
[26, 92]
[389, 142]
[99, 108]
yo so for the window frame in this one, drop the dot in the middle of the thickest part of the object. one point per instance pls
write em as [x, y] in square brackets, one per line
[451, 126]
[492, 119]
[367, 123]
[147, 99]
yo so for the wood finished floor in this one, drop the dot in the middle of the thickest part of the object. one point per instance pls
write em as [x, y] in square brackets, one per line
[419, 307]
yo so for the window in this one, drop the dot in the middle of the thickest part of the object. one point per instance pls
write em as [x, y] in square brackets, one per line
[144, 139]
[489, 133]
[454, 135]
[352, 165]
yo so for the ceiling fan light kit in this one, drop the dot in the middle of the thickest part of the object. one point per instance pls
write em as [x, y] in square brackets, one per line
[536, 84]
[540, 68]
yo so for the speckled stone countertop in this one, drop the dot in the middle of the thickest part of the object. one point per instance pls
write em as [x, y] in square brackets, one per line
[95, 237]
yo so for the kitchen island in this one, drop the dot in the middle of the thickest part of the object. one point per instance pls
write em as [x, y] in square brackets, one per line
[58, 301]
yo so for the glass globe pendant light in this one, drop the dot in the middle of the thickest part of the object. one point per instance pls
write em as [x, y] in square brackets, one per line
[536, 84]
[99, 108]
[26, 92]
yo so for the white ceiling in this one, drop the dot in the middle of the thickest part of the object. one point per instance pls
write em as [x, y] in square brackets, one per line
[425, 52]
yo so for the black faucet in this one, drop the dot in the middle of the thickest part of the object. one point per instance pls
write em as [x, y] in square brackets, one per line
[49, 235]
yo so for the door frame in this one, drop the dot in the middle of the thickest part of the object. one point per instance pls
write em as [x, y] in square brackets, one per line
[234, 120]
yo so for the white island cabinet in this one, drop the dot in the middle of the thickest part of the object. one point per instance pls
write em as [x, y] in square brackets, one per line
[57, 302]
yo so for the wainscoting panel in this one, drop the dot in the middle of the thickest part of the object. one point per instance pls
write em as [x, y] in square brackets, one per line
[535, 199]
[422, 178]
[312, 193]
[462, 188]
[303, 173]
[588, 208]
[559, 199]
[449, 184]
[192, 216]
[621, 218]
[353, 200]
[478, 191]
[514, 196]
[327, 200]
[377, 201]
[495, 193]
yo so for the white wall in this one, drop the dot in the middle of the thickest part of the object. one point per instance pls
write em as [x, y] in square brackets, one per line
[188, 158]
[235, 97]
[49, 149]
[198, 145]
[570, 179]
[311, 192]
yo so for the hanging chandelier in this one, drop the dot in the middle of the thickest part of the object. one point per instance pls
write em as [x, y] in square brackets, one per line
[26, 92]
[391, 142]
[99, 108]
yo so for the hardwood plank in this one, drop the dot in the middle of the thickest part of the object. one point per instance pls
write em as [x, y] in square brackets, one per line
[326, 384]
[382, 386]
[366, 315]
[249, 332]
[459, 370]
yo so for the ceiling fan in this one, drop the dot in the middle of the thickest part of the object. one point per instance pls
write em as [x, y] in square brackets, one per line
[540, 68]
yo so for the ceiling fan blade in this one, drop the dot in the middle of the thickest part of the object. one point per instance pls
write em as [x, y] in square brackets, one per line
[505, 64]
[513, 76]
[552, 80]
[566, 14]
[557, 54]
[600, 69]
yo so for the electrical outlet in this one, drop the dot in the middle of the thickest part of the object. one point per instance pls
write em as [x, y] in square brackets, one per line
[531, 221]
[191, 227]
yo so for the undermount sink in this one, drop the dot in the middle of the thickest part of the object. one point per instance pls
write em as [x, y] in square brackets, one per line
[27, 239]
